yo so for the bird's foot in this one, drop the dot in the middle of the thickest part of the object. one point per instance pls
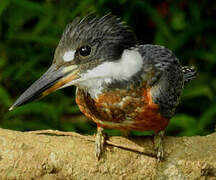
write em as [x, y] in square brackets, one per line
[99, 142]
[158, 145]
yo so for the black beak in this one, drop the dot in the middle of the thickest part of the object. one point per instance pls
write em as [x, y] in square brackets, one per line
[53, 79]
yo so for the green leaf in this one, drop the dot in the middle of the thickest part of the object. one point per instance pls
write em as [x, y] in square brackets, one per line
[44, 109]
[5, 98]
[201, 90]
[207, 118]
[184, 124]
[178, 21]
[37, 7]
[3, 6]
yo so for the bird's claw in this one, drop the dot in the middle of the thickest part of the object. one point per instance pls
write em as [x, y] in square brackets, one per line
[158, 145]
[99, 142]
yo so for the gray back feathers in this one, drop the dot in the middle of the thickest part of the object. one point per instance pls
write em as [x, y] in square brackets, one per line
[167, 81]
[168, 78]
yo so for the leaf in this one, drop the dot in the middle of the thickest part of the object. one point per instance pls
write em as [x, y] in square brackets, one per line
[39, 8]
[201, 90]
[28, 37]
[178, 21]
[3, 6]
[44, 109]
[5, 98]
[207, 118]
[73, 109]
[183, 124]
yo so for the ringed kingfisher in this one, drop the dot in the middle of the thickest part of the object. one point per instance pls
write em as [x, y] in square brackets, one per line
[120, 84]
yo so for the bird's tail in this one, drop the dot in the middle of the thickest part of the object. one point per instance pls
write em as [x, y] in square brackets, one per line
[189, 73]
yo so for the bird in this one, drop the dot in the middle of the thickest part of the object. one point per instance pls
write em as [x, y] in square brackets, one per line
[120, 84]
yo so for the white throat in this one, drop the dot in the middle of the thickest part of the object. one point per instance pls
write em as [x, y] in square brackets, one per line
[94, 80]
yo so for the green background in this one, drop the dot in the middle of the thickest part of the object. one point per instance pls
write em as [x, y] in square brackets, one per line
[29, 34]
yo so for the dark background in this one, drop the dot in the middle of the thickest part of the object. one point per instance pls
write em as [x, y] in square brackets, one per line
[30, 31]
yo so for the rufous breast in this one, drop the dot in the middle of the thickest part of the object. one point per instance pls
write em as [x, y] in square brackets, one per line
[126, 109]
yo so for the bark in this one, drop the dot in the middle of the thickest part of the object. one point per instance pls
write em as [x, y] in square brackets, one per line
[32, 155]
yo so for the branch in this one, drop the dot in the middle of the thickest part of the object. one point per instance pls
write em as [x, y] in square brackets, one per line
[68, 155]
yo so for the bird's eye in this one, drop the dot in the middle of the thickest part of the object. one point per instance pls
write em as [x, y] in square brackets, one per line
[84, 50]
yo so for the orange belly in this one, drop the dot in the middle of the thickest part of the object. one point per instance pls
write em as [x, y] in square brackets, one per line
[123, 109]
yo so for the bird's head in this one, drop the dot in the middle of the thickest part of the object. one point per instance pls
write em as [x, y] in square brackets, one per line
[88, 55]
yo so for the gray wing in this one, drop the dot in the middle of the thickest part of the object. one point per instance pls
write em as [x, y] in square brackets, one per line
[167, 81]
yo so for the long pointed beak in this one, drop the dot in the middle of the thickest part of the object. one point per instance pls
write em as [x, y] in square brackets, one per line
[53, 79]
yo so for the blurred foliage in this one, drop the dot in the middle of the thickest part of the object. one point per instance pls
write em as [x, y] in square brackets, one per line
[30, 31]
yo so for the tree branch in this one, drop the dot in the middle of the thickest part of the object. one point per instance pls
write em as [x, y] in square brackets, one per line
[68, 155]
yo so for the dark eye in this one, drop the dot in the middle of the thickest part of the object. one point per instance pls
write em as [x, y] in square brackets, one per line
[84, 50]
